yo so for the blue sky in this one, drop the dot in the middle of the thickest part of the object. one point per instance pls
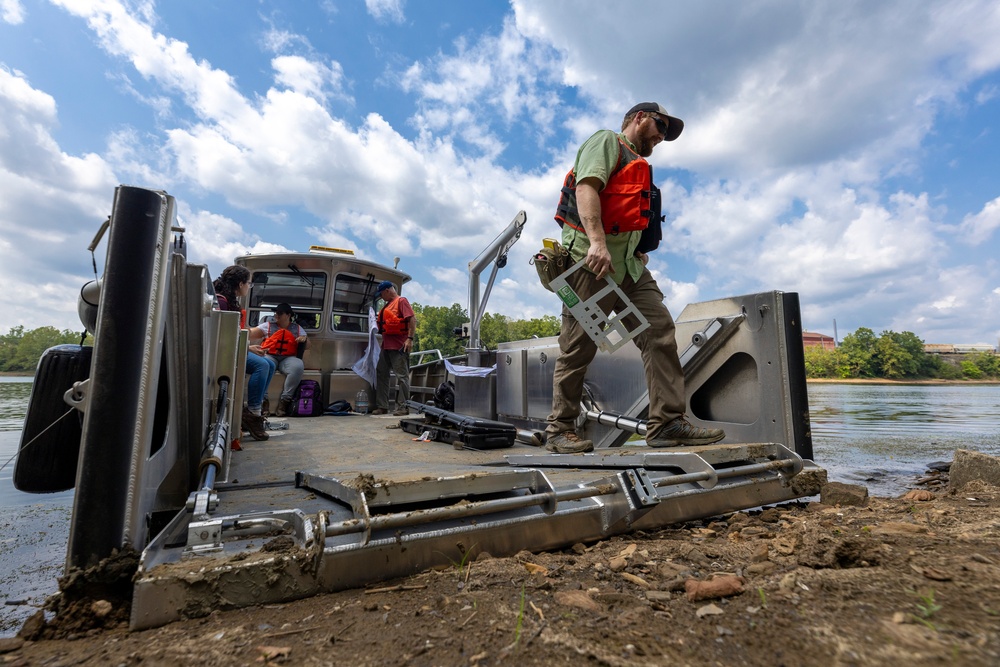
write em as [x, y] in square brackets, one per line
[847, 151]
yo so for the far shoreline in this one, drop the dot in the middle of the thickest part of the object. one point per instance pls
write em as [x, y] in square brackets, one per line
[891, 381]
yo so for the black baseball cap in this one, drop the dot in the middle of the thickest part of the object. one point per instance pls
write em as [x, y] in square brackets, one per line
[675, 125]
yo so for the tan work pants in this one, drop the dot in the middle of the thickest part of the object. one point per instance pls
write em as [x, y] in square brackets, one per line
[657, 344]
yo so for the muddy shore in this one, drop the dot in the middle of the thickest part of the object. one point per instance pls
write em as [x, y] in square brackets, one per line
[910, 580]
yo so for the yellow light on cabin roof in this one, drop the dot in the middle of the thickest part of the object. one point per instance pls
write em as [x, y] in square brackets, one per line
[323, 248]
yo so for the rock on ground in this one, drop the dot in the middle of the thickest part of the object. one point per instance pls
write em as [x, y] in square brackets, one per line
[847, 495]
[971, 466]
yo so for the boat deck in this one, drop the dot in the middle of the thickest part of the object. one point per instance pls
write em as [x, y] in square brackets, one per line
[348, 445]
[361, 450]
[263, 475]
[355, 499]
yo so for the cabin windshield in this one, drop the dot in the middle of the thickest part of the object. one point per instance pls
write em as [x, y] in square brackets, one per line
[304, 291]
[351, 297]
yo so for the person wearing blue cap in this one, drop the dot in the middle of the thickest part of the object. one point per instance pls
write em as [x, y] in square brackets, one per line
[397, 324]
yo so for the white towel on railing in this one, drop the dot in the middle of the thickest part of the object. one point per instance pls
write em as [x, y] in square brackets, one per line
[471, 371]
[366, 365]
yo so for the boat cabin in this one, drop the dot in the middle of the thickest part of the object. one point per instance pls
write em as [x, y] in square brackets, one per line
[331, 291]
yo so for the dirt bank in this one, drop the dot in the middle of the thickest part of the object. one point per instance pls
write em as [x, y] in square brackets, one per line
[899, 581]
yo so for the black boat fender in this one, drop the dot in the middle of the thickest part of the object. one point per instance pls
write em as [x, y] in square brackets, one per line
[50, 442]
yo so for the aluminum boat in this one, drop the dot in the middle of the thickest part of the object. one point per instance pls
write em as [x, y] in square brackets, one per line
[145, 425]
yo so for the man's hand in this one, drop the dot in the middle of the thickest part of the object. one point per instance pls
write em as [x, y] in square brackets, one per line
[256, 349]
[598, 259]
[643, 257]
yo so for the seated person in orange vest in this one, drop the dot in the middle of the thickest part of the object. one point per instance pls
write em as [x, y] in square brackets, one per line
[397, 324]
[282, 341]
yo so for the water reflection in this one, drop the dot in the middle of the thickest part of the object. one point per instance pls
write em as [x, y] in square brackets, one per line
[14, 394]
[885, 435]
[34, 526]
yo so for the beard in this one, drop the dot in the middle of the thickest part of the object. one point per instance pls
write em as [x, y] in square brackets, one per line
[645, 147]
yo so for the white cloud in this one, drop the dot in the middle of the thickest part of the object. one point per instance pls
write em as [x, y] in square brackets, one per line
[281, 41]
[504, 75]
[52, 205]
[312, 79]
[987, 93]
[386, 10]
[771, 84]
[978, 228]
[961, 308]
[283, 148]
[34, 171]
[218, 239]
[12, 12]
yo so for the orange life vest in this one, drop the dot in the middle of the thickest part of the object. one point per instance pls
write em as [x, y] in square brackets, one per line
[281, 343]
[624, 200]
[389, 320]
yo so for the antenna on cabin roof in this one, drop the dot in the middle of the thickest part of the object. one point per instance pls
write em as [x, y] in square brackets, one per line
[395, 262]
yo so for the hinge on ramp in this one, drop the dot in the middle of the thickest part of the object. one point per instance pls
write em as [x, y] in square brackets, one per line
[429, 500]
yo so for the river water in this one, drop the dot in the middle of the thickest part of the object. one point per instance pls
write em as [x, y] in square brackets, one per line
[33, 528]
[882, 436]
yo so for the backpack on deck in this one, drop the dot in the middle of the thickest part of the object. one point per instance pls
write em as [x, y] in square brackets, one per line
[308, 400]
[444, 396]
[338, 408]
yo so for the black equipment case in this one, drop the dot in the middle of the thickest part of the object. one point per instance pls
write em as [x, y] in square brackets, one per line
[462, 431]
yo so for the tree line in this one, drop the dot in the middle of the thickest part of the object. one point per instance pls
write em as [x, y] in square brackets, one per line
[436, 327]
[20, 349]
[895, 356]
[862, 354]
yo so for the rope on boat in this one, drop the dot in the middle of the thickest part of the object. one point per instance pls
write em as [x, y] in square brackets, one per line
[40, 434]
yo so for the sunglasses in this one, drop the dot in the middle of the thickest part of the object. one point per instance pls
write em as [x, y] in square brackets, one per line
[661, 126]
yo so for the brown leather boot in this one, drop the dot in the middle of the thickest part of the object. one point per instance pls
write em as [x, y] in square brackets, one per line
[254, 424]
[681, 433]
[284, 407]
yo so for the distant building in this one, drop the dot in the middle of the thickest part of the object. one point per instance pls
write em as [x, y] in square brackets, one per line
[958, 348]
[810, 339]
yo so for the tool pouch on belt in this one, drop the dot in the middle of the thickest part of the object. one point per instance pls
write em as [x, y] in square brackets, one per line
[551, 261]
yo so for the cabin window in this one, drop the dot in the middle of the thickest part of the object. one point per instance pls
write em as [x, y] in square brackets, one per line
[304, 291]
[352, 295]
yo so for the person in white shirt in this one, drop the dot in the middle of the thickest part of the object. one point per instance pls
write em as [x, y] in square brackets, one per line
[284, 341]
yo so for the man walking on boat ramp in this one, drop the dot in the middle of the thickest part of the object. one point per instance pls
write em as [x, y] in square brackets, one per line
[397, 324]
[604, 207]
